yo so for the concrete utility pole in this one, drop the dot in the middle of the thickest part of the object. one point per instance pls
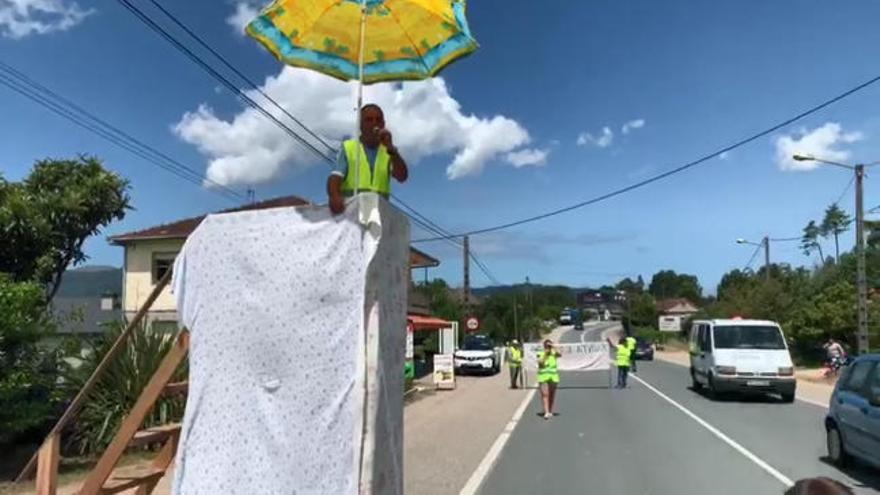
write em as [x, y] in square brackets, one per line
[467, 277]
[861, 278]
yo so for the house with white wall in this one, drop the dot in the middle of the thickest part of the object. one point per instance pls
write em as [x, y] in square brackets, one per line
[150, 252]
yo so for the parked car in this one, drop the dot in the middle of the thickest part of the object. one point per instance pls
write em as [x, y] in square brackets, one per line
[477, 353]
[579, 325]
[741, 356]
[644, 349]
[852, 425]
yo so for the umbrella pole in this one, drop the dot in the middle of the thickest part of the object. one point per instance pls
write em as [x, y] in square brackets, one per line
[360, 101]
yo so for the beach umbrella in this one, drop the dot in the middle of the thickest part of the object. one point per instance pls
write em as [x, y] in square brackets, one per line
[367, 41]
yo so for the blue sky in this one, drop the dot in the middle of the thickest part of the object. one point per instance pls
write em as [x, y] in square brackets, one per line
[698, 75]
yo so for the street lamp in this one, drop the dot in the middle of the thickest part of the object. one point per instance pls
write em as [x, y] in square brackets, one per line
[861, 280]
[765, 243]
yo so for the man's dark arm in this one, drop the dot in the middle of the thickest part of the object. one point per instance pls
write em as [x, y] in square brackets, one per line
[334, 194]
[399, 169]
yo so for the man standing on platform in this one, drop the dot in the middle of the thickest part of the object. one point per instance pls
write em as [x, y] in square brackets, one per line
[377, 156]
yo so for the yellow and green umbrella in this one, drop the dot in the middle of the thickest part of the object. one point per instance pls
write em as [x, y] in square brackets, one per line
[366, 40]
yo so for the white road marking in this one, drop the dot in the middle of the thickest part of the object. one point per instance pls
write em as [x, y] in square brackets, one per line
[810, 401]
[479, 475]
[718, 433]
[798, 397]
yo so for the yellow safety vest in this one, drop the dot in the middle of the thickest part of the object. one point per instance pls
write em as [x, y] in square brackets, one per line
[548, 373]
[377, 180]
[515, 357]
[623, 356]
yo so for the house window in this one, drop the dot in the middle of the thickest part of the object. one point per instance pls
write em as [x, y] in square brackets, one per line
[162, 263]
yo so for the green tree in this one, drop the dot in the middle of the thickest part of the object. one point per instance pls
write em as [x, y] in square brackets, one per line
[46, 218]
[667, 284]
[810, 240]
[27, 372]
[630, 286]
[836, 222]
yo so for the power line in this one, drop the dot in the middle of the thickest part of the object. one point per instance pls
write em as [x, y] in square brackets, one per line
[237, 72]
[752, 259]
[23, 85]
[674, 171]
[846, 190]
[148, 21]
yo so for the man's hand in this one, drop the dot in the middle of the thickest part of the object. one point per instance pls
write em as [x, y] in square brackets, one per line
[337, 204]
[387, 140]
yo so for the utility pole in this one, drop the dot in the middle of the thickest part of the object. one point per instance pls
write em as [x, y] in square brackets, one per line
[467, 277]
[861, 279]
[515, 322]
[767, 257]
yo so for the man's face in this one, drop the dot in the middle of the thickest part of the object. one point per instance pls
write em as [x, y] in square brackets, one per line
[371, 119]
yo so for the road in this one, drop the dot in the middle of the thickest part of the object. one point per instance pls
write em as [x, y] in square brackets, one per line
[660, 437]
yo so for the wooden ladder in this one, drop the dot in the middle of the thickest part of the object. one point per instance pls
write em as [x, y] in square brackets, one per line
[105, 477]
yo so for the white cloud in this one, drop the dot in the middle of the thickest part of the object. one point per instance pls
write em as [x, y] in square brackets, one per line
[604, 140]
[821, 142]
[632, 124]
[423, 117]
[724, 156]
[526, 157]
[21, 18]
[245, 11]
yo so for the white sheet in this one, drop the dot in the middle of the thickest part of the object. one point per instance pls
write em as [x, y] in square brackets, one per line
[291, 379]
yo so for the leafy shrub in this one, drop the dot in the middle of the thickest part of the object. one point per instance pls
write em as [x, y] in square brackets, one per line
[27, 370]
[119, 387]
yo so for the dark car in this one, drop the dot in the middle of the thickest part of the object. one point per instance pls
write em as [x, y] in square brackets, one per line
[644, 350]
[579, 325]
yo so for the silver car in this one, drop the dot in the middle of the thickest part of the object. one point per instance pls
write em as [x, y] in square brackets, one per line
[853, 422]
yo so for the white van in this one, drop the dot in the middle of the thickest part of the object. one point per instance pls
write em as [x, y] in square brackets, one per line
[741, 355]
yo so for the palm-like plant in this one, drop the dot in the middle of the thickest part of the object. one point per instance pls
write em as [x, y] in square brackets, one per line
[119, 387]
[836, 222]
[810, 240]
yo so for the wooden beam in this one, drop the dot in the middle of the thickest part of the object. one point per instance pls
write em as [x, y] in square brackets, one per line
[114, 351]
[47, 466]
[132, 423]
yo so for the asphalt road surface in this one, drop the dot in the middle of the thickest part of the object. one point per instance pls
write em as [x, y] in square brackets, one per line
[661, 437]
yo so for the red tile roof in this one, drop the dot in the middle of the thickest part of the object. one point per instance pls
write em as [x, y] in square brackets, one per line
[667, 304]
[181, 229]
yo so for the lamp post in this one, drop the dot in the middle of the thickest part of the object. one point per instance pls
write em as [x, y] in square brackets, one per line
[861, 280]
[765, 243]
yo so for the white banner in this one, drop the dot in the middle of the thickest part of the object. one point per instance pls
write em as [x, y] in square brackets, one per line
[409, 341]
[444, 371]
[669, 323]
[575, 357]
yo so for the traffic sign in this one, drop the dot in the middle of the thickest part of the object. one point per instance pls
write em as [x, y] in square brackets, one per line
[472, 324]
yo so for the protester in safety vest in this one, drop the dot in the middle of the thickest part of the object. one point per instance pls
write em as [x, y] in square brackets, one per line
[631, 343]
[622, 361]
[378, 158]
[514, 361]
[548, 376]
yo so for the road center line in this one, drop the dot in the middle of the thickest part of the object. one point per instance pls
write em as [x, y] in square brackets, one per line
[718, 433]
[479, 475]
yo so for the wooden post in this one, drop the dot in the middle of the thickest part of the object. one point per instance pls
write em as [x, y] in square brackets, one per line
[114, 351]
[135, 419]
[47, 466]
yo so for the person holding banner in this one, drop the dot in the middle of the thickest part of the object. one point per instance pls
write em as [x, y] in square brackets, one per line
[548, 376]
[622, 361]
